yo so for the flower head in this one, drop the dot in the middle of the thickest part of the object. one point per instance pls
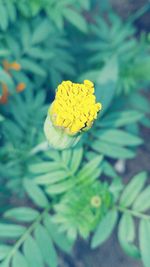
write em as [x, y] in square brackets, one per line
[72, 112]
[74, 108]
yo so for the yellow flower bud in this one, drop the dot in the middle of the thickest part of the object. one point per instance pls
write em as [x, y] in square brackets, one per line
[72, 112]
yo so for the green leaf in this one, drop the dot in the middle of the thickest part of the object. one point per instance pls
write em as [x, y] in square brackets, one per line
[35, 193]
[41, 32]
[11, 230]
[5, 263]
[139, 102]
[76, 19]
[144, 240]
[142, 203]
[109, 72]
[32, 253]
[108, 169]
[105, 94]
[40, 53]
[76, 159]
[19, 260]
[22, 214]
[61, 187]
[4, 250]
[4, 16]
[1, 118]
[133, 188]
[51, 177]
[46, 246]
[43, 167]
[59, 238]
[4, 52]
[118, 137]
[89, 168]
[11, 9]
[119, 119]
[104, 228]
[66, 156]
[126, 235]
[111, 150]
[31, 66]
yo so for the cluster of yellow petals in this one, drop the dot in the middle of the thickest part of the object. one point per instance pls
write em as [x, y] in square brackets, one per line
[74, 108]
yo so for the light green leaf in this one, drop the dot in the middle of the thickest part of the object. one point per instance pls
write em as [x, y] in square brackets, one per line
[76, 159]
[32, 253]
[35, 193]
[108, 169]
[11, 230]
[66, 156]
[61, 187]
[133, 188]
[4, 250]
[43, 167]
[46, 246]
[51, 177]
[142, 203]
[119, 119]
[59, 238]
[89, 168]
[111, 150]
[19, 260]
[144, 240]
[104, 228]
[22, 214]
[126, 235]
[118, 137]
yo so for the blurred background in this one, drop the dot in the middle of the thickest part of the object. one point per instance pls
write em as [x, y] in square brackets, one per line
[43, 42]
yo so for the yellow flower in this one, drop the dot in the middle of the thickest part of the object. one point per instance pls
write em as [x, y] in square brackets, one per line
[73, 110]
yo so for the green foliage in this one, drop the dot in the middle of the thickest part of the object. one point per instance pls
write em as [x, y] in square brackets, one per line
[36, 237]
[133, 203]
[114, 38]
[56, 11]
[74, 192]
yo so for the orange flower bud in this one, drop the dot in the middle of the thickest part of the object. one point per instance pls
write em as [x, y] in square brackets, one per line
[4, 96]
[15, 66]
[20, 87]
[6, 65]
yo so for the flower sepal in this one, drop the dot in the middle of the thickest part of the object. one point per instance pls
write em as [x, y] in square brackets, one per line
[57, 137]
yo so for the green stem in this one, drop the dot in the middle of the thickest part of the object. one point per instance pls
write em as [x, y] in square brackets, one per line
[28, 232]
[133, 212]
